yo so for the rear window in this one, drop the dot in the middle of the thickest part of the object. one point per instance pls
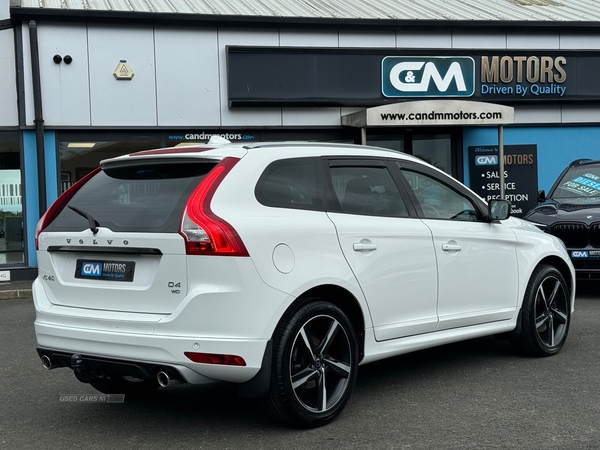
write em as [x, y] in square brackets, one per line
[580, 185]
[143, 198]
[292, 183]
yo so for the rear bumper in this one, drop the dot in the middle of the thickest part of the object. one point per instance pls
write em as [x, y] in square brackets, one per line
[153, 340]
[135, 369]
[216, 316]
[153, 351]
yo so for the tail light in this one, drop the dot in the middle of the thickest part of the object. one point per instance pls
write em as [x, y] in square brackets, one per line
[59, 205]
[204, 232]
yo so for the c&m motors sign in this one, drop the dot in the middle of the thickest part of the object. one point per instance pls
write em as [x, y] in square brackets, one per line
[370, 77]
[428, 76]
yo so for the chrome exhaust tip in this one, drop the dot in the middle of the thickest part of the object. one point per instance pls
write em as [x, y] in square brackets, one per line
[47, 362]
[164, 380]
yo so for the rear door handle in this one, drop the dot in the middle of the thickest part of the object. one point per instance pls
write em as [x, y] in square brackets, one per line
[451, 247]
[360, 247]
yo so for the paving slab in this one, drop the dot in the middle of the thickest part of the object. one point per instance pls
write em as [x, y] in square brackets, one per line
[15, 289]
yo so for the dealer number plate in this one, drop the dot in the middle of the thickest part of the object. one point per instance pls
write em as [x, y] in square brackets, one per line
[105, 270]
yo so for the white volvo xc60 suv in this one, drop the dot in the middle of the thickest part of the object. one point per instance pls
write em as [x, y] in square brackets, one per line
[281, 267]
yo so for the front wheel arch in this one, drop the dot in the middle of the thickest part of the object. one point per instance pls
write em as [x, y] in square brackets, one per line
[560, 265]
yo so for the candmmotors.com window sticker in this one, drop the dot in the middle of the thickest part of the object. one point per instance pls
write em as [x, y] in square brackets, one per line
[586, 185]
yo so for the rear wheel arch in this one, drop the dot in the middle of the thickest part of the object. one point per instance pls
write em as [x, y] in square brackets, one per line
[335, 295]
[314, 363]
[344, 300]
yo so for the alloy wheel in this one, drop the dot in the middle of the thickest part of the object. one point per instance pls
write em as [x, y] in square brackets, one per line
[551, 311]
[320, 363]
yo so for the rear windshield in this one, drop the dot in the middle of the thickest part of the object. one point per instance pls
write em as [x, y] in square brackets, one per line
[579, 185]
[143, 198]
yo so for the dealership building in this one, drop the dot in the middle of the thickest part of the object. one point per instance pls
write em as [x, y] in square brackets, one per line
[467, 85]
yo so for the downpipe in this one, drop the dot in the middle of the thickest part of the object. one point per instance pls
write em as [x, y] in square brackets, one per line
[39, 117]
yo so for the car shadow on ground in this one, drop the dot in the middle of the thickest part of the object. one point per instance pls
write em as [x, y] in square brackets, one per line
[217, 406]
[587, 288]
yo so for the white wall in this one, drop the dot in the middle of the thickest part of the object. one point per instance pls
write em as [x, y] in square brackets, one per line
[8, 80]
[187, 77]
[181, 74]
[4, 9]
[65, 87]
[117, 102]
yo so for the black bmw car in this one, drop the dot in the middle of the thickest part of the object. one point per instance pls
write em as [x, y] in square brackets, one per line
[571, 212]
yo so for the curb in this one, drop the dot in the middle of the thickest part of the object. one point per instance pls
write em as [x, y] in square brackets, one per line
[15, 294]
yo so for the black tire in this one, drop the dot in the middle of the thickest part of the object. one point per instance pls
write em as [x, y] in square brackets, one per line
[315, 361]
[132, 389]
[546, 313]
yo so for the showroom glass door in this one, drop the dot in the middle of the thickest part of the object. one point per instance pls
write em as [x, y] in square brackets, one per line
[436, 149]
[439, 147]
[11, 201]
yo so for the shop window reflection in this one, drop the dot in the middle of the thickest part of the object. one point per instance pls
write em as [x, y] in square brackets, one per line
[395, 143]
[434, 149]
[78, 158]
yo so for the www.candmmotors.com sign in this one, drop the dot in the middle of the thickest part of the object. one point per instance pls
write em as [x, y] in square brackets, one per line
[432, 76]
[432, 112]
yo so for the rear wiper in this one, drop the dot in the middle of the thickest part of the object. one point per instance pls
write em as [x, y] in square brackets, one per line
[93, 222]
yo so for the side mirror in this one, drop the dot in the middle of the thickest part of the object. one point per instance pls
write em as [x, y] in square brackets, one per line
[499, 209]
[541, 196]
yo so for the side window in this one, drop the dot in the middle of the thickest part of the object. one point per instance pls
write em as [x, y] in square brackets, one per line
[367, 190]
[292, 183]
[438, 200]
